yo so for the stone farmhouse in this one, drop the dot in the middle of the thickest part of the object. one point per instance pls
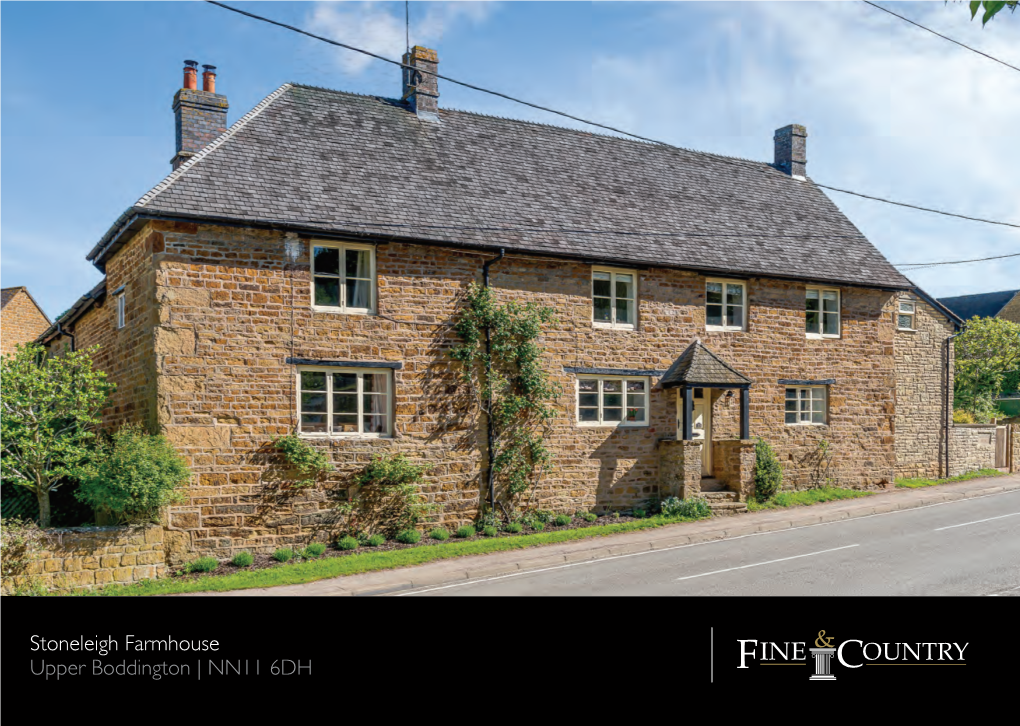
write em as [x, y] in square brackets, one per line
[21, 318]
[300, 271]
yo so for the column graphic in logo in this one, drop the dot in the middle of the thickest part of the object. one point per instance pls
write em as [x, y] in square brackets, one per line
[823, 655]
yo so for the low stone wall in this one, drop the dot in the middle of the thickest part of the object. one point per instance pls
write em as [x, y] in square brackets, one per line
[735, 461]
[679, 468]
[1014, 461]
[87, 557]
[971, 447]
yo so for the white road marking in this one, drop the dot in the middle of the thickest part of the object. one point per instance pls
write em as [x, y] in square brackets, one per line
[976, 521]
[770, 562]
[597, 560]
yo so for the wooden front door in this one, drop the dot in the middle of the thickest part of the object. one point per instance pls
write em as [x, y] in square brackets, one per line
[701, 427]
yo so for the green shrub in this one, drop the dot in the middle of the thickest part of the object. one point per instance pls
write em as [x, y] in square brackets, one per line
[135, 475]
[376, 540]
[203, 564]
[391, 485]
[589, 516]
[639, 512]
[408, 536]
[347, 543]
[490, 531]
[243, 559]
[514, 527]
[309, 461]
[466, 531]
[284, 554]
[694, 508]
[538, 526]
[439, 533]
[562, 520]
[21, 544]
[315, 549]
[768, 474]
[544, 515]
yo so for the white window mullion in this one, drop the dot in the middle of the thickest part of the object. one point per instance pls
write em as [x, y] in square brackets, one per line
[361, 403]
[600, 399]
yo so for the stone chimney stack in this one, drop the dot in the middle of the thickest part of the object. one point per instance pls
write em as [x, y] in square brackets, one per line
[791, 150]
[421, 90]
[200, 116]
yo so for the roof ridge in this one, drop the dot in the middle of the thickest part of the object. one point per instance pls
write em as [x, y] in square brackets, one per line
[721, 362]
[978, 294]
[212, 146]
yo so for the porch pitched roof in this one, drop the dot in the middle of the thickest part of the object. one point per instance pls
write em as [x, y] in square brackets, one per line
[699, 366]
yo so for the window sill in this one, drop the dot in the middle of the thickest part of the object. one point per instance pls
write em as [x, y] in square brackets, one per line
[612, 326]
[806, 424]
[724, 329]
[906, 330]
[342, 311]
[341, 437]
[612, 425]
[820, 336]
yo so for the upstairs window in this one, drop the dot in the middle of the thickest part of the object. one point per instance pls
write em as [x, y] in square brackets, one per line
[725, 305]
[822, 317]
[806, 405]
[121, 310]
[614, 298]
[612, 401]
[345, 402]
[343, 277]
[906, 311]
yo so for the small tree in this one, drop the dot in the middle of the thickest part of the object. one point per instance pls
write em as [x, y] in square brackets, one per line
[50, 411]
[768, 474]
[139, 474]
[987, 355]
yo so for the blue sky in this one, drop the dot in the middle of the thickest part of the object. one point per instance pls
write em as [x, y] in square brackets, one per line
[890, 110]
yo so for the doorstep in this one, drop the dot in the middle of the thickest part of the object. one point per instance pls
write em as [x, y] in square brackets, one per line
[470, 567]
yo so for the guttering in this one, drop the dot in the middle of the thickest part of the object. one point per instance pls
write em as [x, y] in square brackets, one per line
[488, 371]
[61, 331]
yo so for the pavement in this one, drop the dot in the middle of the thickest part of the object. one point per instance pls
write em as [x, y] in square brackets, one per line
[953, 539]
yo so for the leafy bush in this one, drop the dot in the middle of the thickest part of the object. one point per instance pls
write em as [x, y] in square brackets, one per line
[439, 533]
[466, 531]
[284, 554]
[514, 527]
[963, 417]
[310, 462]
[639, 512]
[544, 515]
[137, 474]
[694, 508]
[347, 543]
[562, 520]
[490, 531]
[315, 549]
[20, 544]
[203, 564]
[409, 536]
[243, 559]
[589, 516]
[376, 540]
[390, 488]
[538, 526]
[768, 474]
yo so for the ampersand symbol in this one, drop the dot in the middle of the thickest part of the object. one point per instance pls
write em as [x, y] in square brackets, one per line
[822, 642]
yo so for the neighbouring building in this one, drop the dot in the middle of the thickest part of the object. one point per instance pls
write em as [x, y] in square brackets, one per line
[1004, 304]
[21, 318]
[301, 271]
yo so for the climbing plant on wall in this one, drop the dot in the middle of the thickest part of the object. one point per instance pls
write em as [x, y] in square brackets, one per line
[511, 386]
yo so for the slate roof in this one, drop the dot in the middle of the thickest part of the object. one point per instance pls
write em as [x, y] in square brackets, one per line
[984, 305]
[345, 163]
[698, 365]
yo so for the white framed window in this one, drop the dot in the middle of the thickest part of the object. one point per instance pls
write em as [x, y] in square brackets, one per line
[343, 277]
[614, 297]
[121, 310]
[806, 405]
[822, 313]
[612, 401]
[725, 305]
[906, 311]
[345, 401]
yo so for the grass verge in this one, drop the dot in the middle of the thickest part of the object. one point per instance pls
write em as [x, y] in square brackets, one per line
[369, 561]
[918, 483]
[805, 497]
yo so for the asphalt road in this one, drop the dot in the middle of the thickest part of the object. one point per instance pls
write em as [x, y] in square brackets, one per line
[963, 547]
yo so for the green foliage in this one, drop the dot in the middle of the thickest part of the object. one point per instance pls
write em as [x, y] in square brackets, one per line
[639, 512]
[50, 410]
[347, 543]
[805, 497]
[921, 482]
[589, 516]
[768, 474]
[490, 531]
[409, 536]
[991, 8]
[963, 417]
[203, 564]
[286, 554]
[243, 559]
[439, 534]
[466, 531]
[537, 525]
[693, 508]
[987, 357]
[376, 540]
[310, 462]
[544, 515]
[21, 541]
[315, 549]
[509, 381]
[514, 527]
[562, 520]
[138, 474]
[390, 488]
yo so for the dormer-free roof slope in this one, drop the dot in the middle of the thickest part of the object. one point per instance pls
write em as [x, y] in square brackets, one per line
[983, 305]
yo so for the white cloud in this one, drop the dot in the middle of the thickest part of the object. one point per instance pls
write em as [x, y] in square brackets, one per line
[375, 28]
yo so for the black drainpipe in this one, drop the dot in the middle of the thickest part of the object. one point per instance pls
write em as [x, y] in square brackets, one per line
[61, 331]
[948, 399]
[488, 370]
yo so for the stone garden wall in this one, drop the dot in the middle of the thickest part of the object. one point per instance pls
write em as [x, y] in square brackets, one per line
[971, 447]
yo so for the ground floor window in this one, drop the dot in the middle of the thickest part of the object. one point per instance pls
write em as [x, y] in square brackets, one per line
[806, 405]
[612, 401]
[345, 401]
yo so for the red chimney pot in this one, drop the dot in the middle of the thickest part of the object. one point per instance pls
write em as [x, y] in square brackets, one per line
[191, 75]
[209, 79]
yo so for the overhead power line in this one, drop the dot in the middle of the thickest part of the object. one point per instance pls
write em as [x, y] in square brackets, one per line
[918, 265]
[735, 162]
[944, 37]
